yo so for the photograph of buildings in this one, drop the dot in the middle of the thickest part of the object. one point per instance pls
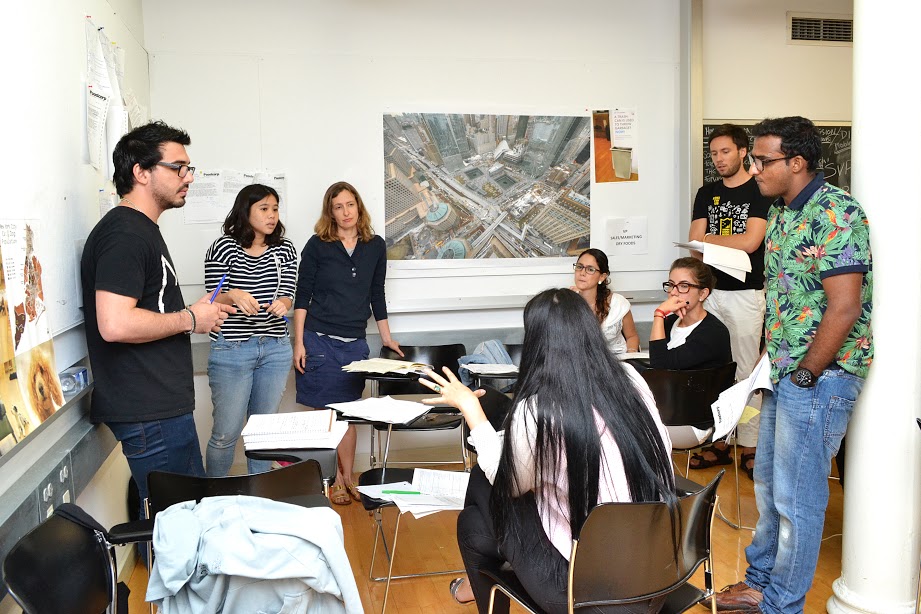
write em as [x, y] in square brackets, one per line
[486, 186]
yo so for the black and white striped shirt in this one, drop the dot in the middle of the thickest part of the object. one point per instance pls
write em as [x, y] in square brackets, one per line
[267, 277]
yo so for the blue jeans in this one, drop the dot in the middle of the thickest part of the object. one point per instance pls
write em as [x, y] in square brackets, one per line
[159, 445]
[801, 430]
[246, 378]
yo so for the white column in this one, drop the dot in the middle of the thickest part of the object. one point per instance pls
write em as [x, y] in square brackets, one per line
[882, 495]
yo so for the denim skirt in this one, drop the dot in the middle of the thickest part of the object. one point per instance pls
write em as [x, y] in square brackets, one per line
[323, 380]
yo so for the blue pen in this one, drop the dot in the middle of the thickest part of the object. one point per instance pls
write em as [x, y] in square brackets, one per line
[218, 289]
[285, 318]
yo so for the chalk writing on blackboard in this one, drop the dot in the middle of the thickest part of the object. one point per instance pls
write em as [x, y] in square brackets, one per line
[836, 154]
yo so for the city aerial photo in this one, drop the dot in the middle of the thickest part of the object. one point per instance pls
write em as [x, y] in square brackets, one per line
[486, 186]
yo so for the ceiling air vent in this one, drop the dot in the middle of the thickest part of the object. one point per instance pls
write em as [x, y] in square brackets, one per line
[805, 29]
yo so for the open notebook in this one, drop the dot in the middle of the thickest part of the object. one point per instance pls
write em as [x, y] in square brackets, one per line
[301, 429]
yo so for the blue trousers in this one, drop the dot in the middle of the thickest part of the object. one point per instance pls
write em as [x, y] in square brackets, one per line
[801, 430]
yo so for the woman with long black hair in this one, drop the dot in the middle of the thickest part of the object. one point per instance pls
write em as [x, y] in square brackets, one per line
[574, 400]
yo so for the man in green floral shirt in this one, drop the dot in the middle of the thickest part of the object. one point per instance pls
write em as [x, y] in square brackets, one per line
[818, 273]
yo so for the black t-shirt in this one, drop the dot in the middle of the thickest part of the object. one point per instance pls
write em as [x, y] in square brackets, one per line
[727, 211]
[135, 382]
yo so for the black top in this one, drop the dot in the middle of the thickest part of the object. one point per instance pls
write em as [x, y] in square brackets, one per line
[727, 211]
[707, 346]
[340, 291]
[135, 382]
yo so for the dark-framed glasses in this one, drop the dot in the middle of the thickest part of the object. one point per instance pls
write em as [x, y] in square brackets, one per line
[683, 287]
[181, 169]
[759, 163]
[588, 269]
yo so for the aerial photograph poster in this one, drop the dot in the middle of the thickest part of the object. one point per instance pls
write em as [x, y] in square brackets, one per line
[460, 186]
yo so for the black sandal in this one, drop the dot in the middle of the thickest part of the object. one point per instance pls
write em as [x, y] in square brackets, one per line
[743, 463]
[723, 457]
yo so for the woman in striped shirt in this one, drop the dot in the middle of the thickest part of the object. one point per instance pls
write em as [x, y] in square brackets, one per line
[251, 357]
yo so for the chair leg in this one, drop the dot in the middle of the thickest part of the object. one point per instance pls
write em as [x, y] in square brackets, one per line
[738, 524]
[393, 552]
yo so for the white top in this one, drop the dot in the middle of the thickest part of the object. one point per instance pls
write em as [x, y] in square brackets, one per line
[553, 491]
[680, 334]
[613, 325]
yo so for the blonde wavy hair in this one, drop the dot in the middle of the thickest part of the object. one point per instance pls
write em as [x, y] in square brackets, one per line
[326, 228]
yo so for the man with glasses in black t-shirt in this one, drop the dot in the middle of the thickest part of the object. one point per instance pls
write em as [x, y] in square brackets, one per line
[731, 212]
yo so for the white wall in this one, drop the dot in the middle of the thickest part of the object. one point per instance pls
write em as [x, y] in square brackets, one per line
[305, 91]
[751, 72]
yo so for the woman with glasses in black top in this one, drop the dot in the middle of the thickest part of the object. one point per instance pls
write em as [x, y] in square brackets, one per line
[684, 335]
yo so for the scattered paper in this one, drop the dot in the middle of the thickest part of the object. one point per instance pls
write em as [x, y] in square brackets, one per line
[632, 356]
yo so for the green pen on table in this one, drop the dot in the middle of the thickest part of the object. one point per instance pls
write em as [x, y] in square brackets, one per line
[400, 492]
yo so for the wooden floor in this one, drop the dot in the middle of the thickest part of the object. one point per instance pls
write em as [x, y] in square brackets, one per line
[430, 543]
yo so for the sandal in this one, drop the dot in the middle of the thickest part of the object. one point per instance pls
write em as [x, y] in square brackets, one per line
[723, 457]
[339, 495]
[749, 470]
[353, 492]
[455, 585]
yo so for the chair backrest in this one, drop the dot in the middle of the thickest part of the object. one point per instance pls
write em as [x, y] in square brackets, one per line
[436, 355]
[514, 352]
[496, 406]
[288, 484]
[632, 552]
[685, 397]
[60, 566]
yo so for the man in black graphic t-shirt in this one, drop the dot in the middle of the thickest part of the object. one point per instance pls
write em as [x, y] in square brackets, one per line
[731, 212]
[136, 321]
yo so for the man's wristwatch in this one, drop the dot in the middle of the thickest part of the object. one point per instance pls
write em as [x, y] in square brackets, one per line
[803, 378]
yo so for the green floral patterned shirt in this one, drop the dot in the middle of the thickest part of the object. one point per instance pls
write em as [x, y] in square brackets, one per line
[823, 232]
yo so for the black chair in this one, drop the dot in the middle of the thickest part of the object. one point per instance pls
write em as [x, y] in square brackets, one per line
[684, 399]
[298, 484]
[326, 457]
[496, 406]
[375, 507]
[65, 565]
[660, 551]
[438, 418]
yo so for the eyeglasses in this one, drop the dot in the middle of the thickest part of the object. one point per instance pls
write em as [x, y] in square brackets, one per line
[181, 169]
[759, 164]
[588, 269]
[682, 286]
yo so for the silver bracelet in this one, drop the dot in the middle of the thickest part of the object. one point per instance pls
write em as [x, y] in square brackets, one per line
[192, 316]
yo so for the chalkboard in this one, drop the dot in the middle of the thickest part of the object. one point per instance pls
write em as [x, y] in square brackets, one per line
[836, 153]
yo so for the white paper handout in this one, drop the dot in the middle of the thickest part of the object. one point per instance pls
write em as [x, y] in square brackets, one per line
[204, 204]
[385, 365]
[490, 368]
[382, 409]
[728, 408]
[301, 429]
[734, 262]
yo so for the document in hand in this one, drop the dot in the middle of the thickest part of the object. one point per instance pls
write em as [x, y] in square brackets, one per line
[382, 409]
[729, 260]
[728, 408]
[385, 365]
[301, 429]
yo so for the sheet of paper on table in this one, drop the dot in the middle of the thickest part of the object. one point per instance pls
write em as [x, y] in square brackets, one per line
[382, 409]
[490, 368]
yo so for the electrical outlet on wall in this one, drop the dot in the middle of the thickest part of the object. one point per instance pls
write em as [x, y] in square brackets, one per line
[56, 488]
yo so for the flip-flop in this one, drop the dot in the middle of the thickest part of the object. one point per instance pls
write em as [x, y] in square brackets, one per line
[339, 495]
[455, 585]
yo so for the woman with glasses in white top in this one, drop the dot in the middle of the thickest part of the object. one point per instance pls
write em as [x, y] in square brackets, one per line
[684, 335]
[592, 281]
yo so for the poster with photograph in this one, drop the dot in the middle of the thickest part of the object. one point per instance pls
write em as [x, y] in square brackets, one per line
[615, 139]
[29, 386]
[460, 185]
